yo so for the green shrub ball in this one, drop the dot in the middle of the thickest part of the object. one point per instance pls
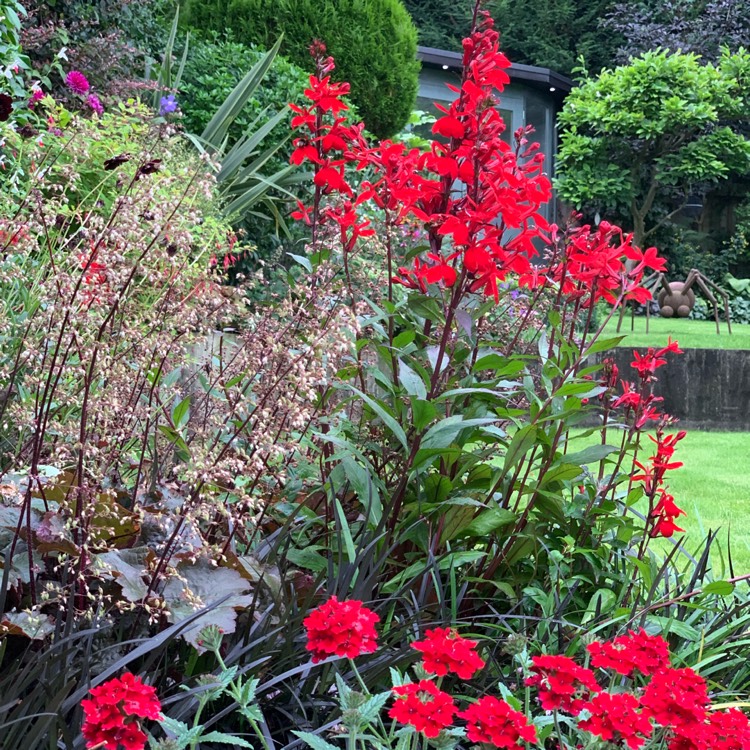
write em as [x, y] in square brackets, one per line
[374, 43]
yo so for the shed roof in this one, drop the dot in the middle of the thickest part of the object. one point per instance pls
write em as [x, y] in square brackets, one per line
[543, 79]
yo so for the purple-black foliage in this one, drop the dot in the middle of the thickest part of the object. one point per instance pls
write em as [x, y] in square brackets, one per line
[699, 26]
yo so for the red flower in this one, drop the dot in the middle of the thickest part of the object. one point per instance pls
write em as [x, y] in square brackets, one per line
[112, 713]
[449, 127]
[341, 629]
[676, 698]
[423, 705]
[653, 359]
[635, 651]
[443, 651]
[563, 685]
[77, 82]
[616, 718]
[495, 722]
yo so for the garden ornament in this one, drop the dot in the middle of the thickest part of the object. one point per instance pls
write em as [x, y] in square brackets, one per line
[676, 299]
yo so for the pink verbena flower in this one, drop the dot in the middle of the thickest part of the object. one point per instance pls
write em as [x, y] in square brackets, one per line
[95, 104]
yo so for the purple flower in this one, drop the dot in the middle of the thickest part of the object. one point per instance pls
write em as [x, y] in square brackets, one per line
[95, 104]
[77, 82]
[167, 105]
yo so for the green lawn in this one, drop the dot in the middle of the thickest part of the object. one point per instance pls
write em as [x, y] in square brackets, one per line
[691, 334]
[713, 488]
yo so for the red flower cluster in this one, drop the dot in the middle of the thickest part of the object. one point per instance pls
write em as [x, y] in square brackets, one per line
[664, 511]
[593, 266]
[563, 685]
[676, 698]
[472, 191]
[111, 715]
[641, 401]
[626, 654]
[647, 364]
[424, 706]
[443, 651]
[617, 718]
[495, 722]
[329, 147]
[341, 629]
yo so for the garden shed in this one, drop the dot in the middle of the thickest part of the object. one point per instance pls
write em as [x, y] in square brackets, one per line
[533, 96]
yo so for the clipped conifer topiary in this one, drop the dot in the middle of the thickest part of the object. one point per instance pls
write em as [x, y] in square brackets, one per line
[374, 43]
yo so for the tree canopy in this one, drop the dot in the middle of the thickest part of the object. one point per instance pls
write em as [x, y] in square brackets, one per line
[658, 129]
[553, 36]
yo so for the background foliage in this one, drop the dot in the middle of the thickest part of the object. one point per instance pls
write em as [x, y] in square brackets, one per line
[374, 43]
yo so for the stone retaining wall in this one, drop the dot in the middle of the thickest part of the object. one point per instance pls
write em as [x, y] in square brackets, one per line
[706, 388]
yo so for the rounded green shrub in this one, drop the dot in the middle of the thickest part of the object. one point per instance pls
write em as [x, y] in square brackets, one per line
[374, 43]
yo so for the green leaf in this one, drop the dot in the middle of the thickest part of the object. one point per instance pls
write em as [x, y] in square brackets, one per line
[589, 455]
[315, 742]
[303, 261]
[522, 441]
[601, 345]
[411, 381]
[225, 739]
[385, 415]
[720, 588]
[308, 558]
[423, 412]
[181, 412]
[363, 484]
[560, 473]
[442, 434]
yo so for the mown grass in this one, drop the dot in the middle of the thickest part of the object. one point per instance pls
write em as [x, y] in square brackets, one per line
[691, 334]
[713, 488]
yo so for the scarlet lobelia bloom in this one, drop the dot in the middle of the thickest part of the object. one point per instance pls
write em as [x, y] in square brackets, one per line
[563, 685]
[444, 650]
[77, 82]
[423, 705]
[495, 722]
[616, 718]
[341, 629]
[636, 651]
[112, 713]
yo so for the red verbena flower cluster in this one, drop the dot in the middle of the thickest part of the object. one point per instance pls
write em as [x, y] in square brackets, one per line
[341, 629]
[626, 654]
[444, 651]
[112, 714]
[563, 685]
[424, 706]
[617, 718]
[495, 722]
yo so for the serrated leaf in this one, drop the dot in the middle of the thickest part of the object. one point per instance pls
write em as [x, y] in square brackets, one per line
[370, 709]
[225, 739]
[315, 742]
